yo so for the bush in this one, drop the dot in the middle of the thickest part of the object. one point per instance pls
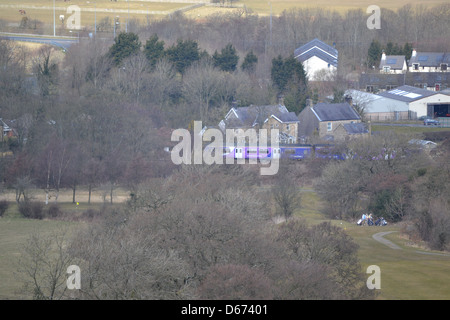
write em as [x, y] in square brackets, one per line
[3, 207]
[32, 210]
[53, 210]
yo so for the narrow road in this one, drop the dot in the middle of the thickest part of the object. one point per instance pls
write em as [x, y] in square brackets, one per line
[60, 42]
[379, 237]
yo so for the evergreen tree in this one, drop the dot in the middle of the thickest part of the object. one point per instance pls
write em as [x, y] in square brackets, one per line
[407, 50]
[374, 54]
[289, 77]
[227, 60]
[125, 45]
[154, 50]
[183, 54]
[250, 62]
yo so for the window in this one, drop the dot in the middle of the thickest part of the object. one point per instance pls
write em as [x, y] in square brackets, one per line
[416, 66]
[287, 127]
[329, 126]
[390, 87]
[386, 69]
[437, 86]
[444, 66]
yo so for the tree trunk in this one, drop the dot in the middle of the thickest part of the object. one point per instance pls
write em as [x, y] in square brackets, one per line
[73, 193]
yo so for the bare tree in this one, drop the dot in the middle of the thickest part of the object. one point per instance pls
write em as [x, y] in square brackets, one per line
[201, 83]
[42, 268]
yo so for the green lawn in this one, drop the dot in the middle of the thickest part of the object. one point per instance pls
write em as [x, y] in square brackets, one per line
[405, 274]
[14, 232]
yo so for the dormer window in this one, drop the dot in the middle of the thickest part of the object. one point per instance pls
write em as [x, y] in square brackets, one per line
[415, 66]
[386, 69]
[444, 66]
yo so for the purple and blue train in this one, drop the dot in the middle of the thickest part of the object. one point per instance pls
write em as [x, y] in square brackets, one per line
[290, 151]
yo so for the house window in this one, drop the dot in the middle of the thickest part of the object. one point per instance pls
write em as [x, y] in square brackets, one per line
[329, 126]
[386, 68]
[369, 88]
[437, 86]
[444, 66]
[287, 127]
[416, 66]
[390, 87]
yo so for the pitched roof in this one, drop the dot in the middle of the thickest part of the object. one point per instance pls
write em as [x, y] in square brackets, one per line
[319, 49]
[254, 115]
[430, 59]
[407, 93]
[381, 79]
[356, 128]
[430, 78]
[395, 62]
[335, 112]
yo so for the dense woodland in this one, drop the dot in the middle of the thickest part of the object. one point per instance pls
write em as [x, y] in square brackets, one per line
[100, 115]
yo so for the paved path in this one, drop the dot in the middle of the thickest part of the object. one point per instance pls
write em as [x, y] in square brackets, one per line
[379, 237]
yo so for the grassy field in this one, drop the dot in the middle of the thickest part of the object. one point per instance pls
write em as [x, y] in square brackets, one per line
[416, 130]
[142, 10]
[405, 274]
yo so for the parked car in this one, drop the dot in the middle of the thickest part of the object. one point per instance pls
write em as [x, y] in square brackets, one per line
[429, 122]
[422, 118]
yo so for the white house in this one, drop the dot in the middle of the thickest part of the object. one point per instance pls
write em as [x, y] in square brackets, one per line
[319, 60]
[393, 64]
[421, 102]
[429, 62]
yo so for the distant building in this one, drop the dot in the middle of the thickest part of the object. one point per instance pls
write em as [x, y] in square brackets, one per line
[393, 64]
[429, 62]
[263, 117]
[421, 102]
[319, 59]
[377, 107]
[378, 82]
[331, 122]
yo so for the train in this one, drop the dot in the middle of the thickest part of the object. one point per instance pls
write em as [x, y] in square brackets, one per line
[289, 151]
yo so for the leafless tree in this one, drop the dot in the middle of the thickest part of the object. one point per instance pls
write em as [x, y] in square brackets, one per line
[42, 267]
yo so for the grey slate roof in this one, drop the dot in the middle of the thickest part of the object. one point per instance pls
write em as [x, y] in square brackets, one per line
[247, 117]
[356, 128]
[395, 62]
[407, 93]
[335, 112]
[430, 59]
[319, 49]
[430, 78]
[381, 80]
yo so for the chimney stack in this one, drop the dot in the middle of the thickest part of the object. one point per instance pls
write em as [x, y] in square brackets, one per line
[414, 53]
[383, 56]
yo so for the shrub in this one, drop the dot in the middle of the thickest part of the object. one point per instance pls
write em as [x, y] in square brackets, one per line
[32, 209]
[53, 210]
[3, 207]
